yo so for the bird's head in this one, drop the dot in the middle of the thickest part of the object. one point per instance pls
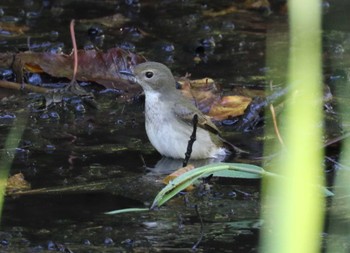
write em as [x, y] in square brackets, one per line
[152, 76]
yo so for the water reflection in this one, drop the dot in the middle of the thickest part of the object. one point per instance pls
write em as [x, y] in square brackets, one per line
[167, 165]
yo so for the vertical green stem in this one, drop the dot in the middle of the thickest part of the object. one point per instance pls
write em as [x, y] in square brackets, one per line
[6, 156]
[339, 226]
[296, 208]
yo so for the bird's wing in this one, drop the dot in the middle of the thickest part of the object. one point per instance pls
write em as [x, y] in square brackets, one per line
[186, 113]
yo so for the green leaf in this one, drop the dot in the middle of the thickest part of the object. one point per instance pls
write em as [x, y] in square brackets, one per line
[172, 193]
[236, 174]
[127, 210]
[175, 186]
[231, 170]
[327, 192]
[254, 173]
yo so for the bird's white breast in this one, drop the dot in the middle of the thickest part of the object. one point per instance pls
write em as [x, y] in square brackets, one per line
[170, 136]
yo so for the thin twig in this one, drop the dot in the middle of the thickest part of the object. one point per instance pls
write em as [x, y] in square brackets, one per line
[28, 43]
[75, 50]
[143, 161]
[275, 125]
[18, 86]
[336, 139]
[274, 120]
[191, 141]
[201, 234]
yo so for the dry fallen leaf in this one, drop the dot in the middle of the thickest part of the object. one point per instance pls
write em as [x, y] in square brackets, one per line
[178, 173]
[256, 4]
[114, 21]
[17, 183]
[213, 14]
[204, 92]
[12, 29]
[229, 106]
[94, 66]
[205, 82]
[206, 95]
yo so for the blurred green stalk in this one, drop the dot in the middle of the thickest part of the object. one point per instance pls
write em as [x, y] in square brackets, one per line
[339, 228]
[294, 209]
[339, 224]
[7, 155]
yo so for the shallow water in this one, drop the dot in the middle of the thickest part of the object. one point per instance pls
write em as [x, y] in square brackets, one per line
[100, 160]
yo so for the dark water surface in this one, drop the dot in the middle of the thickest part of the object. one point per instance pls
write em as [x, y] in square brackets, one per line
[100, 160]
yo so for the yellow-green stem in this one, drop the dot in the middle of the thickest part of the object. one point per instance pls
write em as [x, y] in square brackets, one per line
[295, 212]
[7, 155]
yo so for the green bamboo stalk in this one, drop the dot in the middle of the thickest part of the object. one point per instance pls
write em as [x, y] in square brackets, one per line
[295, 217]
[339, 226]
[6, 160]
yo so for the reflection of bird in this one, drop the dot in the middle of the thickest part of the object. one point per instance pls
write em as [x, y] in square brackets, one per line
[169, 116]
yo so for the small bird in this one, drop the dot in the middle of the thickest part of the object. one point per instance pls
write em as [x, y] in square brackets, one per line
[169, 116]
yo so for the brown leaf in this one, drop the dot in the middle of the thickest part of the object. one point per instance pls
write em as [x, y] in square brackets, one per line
[95, 66]
[256, 4]
[207, 97]
[178, 173]
[239, 90]
[213, 14]
[17, 183]
[17, 86]
[114, 21]
[229, 106]
[204, 92]
[204, 83]
[33, 68]
[13, 29]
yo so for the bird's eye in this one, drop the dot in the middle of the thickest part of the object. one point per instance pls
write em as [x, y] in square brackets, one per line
[149, 74]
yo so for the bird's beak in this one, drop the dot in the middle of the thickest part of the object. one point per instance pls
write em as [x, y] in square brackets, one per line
[126, 72]
[128, 75]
